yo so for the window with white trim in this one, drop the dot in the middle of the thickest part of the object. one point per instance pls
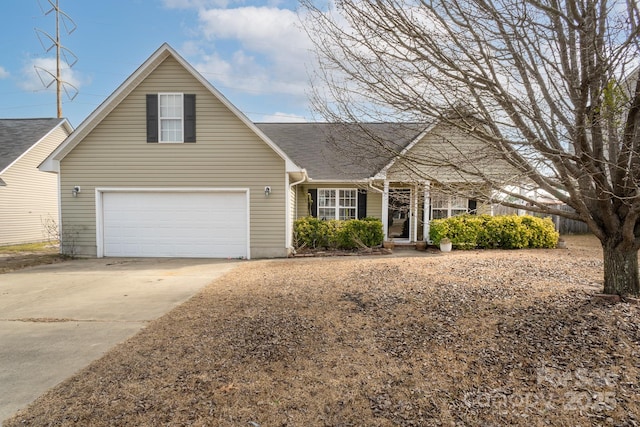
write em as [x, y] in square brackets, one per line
[445, 206]
[170, 117]
[336, 203]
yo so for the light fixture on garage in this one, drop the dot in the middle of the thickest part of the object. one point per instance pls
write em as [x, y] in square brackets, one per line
[75, 191]
[267, 191]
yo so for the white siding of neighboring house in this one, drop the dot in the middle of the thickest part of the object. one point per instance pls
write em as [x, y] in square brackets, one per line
[31, 196]
[227, 154]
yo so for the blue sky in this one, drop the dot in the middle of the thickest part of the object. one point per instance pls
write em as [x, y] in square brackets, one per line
[252, 51]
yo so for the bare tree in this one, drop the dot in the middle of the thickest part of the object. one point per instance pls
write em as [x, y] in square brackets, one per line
[547, 85]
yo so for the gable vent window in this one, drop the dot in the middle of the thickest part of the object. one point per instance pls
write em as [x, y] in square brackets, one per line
[171, 118]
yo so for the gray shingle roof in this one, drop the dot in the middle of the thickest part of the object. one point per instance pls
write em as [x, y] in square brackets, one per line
[332, 151]
[18, 135]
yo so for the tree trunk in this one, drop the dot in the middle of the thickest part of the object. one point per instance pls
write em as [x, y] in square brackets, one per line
[620, 270]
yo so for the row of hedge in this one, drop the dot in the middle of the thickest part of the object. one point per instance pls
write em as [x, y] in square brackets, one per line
[314, 233]
[492, 232]
[465, 232]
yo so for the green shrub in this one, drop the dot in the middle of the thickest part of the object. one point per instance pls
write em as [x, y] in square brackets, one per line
[355, 232]
[334, 233]
[314, 233]
[465, 231]
[543, 232]
[311, 232]
[505, 232]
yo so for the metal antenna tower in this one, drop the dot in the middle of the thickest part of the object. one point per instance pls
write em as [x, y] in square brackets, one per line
[69, 57]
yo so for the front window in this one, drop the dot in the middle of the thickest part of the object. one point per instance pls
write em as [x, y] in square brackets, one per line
[337, 204]
[170, 114]
[445, 206]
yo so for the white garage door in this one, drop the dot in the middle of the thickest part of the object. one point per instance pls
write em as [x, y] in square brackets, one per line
[175, 224]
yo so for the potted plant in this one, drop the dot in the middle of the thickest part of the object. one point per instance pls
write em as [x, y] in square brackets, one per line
[445, 244]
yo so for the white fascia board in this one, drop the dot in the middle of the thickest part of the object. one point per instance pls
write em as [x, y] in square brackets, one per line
[290, 166]
[383, 172]
[64, 123]
[52, 163]
[338, 181]
[131, 83]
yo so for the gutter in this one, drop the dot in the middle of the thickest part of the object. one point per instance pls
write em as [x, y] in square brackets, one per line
[376, 189]
[305, 177]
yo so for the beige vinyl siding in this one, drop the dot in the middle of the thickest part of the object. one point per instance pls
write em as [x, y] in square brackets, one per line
[30, 196]
[374, 198]
[374, 204]
[292, 213]
[446, 144]
[227, 154]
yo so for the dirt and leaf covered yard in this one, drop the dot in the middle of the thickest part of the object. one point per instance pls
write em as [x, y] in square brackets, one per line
[472, 338]
[16, 257]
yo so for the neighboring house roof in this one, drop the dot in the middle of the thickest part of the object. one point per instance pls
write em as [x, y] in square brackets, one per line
[339, 152]
[18, 136]
[51, 164]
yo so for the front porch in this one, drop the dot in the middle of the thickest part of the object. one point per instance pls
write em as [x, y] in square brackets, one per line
[406, 212]
[408, 207]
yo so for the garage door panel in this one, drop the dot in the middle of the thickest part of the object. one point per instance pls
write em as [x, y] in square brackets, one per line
[175, 224]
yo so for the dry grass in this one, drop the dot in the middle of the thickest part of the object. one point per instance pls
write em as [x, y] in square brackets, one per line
[470, 338]
[16, 257]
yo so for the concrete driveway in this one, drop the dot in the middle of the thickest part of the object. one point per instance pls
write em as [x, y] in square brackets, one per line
[56, 319]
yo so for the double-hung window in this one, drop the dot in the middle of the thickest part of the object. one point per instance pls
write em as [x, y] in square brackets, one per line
[337, 204]
[170, 117]
[445, 206]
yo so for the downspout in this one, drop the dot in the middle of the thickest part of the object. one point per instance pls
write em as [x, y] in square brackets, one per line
[305, 177]
[374, 188]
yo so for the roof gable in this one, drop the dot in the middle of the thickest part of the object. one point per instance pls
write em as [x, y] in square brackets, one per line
[18, 136]
[342, 152]
[52, 163]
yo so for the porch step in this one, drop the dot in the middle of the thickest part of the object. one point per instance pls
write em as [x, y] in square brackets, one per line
[406, 246]
[402, 245]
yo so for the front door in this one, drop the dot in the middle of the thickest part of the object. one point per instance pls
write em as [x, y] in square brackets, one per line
[399, 216]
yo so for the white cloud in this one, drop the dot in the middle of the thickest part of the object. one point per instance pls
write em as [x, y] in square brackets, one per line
[3, 73]
[35, 79]
[261, 29]
[270, 51]
[195, 4]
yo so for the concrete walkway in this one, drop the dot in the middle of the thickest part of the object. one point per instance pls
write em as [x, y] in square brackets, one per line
[56, 319]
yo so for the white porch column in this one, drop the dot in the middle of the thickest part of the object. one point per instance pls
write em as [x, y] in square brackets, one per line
[427, 209]
[414, 213]
[385, 210]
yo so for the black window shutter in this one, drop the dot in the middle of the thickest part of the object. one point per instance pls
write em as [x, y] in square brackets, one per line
[313, 194]
[362, 204]
[189, 118]
[152, 118]
[473, 207]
